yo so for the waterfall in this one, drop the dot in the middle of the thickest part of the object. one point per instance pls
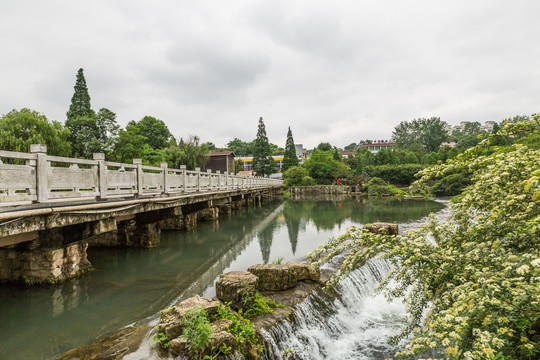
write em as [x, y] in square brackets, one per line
[354, 325]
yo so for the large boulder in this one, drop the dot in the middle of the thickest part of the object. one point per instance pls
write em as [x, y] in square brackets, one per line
[304, 271]
[170, 322]
[382, 228]
[274, 277]
[234, 286]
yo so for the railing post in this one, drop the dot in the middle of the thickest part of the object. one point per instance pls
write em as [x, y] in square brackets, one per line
[209, 172]
[165, 168]
[102, 175]
[184, 177]
[42, 170]
[198, 170]
[218, 172]
[138, 162]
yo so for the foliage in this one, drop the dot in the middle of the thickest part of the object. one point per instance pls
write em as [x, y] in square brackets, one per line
[324, 146]
[395, 174]
[364, 158]
[155, 132]
[242, 329]
[297, 176]
[289, 158]
[263, 163]
[350, 147]
[278, 261]
[254, 305]
[472, 283]
[21, 128]
[430, 133]
[188, 152]
[324, 169]
[379, 187]
[240, 148]
[197, 330]
[451, 184]
[161, 339]
[80, 101]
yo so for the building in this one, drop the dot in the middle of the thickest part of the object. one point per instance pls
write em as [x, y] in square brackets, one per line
[377, 145]
[222, 161]
[345, 154]
[451, 144]
[247, 162]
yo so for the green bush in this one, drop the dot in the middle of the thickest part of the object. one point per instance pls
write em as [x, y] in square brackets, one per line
[398, 174]
[378, 187]
[451, 185]
[297, 176]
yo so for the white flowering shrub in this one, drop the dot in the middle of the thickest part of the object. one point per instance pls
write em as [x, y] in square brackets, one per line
[472, 284]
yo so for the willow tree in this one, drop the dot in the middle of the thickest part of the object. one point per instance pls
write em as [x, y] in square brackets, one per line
[289, 158]
[471, 284]
[263, 163]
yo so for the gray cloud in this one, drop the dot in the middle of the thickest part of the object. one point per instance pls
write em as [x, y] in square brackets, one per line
[333, 71]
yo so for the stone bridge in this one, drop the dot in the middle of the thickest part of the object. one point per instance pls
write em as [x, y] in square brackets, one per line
[52, 208]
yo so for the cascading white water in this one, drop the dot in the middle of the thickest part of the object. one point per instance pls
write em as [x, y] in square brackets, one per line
[355, 325]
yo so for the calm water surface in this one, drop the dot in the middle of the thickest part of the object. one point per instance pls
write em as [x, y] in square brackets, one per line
[132, 285]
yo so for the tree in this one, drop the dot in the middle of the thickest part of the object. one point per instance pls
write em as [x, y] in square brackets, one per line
[263, 163]
[155, 132]
[240, 148]
[324, 169]
[297, 176]
[188, 152]
[289, 158]
[350, 147]
[471, 283]
[430, 133]
[107, 129]
[80, 101]
[21, 128]
[324, 146]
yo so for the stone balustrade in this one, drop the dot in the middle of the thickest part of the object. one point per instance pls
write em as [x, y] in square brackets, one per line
[40, 178]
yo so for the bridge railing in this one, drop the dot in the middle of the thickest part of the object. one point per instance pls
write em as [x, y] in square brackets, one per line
[38, 177]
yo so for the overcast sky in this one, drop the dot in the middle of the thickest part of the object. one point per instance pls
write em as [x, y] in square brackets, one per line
[335, 71]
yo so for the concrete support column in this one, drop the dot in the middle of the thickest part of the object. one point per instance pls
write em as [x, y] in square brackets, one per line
[42, 169]
[138, 162]
[102, 175]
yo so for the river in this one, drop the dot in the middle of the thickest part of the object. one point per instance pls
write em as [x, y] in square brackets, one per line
[130, 286]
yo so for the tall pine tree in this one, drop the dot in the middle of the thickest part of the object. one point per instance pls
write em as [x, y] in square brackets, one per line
[263, 163]
[80, 102]
[289, 159]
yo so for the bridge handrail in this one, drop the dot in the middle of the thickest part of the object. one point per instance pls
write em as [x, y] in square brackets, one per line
[38, 177]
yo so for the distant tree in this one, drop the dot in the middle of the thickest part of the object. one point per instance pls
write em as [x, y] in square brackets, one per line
[276, 150]
[289, 158]
[324, 169]
[364, 158]
[430, 133]
[240, 148]
[324, 146]
[188, 152]
[21, 128]
[130, 145]
[155, 131]
[107, 129]
[80, 101]
[238, 166]
[211, 146]
[350, 147]
[263, 163]
[297, 176]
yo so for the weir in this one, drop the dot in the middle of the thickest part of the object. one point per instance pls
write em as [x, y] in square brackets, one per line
[52, 208]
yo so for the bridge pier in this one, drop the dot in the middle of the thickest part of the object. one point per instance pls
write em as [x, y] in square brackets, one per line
[50, 258]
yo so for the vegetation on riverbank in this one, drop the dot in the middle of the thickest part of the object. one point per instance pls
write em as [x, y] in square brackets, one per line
[471, 284]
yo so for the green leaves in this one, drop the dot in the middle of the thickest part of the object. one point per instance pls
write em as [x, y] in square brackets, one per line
[471, 285]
